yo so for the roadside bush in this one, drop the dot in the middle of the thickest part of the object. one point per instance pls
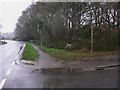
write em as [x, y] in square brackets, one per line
[3, 42]
[56, 44]
[106, 40]
[81, 44]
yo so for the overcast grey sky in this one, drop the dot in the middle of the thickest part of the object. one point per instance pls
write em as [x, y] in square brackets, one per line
[10, 10]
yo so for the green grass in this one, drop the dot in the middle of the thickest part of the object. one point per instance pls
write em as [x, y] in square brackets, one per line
[29, 52]
[62, 54]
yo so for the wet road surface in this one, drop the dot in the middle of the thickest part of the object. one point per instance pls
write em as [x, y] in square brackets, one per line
[25, 77]
[8, 53]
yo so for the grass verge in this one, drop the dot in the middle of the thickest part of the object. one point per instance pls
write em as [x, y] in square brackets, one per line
[29, 52]
[62, 54]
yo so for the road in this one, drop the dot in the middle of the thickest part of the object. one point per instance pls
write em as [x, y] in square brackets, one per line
[8, 53]
[17, 76]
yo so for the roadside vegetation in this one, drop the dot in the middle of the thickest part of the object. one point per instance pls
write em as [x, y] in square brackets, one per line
[70, 30]
[62, 54]
[59, 24]
[3, 42]
[29, 52]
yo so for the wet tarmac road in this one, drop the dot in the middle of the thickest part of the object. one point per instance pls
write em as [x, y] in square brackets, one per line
[24, 77]
[8, 53]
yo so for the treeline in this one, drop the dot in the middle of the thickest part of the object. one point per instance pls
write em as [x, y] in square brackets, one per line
[59, 23]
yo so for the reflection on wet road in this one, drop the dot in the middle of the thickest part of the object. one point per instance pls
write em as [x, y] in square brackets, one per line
[83, 79]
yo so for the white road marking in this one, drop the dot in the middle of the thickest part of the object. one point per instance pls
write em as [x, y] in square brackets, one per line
[8, 72]
[2, 83]
[13, 63]
[16, 57]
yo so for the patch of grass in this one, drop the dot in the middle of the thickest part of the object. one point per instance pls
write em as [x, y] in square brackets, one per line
[29, 52]
[62, 54]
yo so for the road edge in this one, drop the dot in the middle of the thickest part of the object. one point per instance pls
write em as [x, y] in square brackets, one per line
[19, 56]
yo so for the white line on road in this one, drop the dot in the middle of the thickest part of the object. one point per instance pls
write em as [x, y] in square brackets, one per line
[2, 83]
[8, 72]
[16, 57]
[13, 63]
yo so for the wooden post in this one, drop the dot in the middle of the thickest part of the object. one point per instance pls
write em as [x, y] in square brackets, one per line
[91, 40]
[40, 31]
[41, 37]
